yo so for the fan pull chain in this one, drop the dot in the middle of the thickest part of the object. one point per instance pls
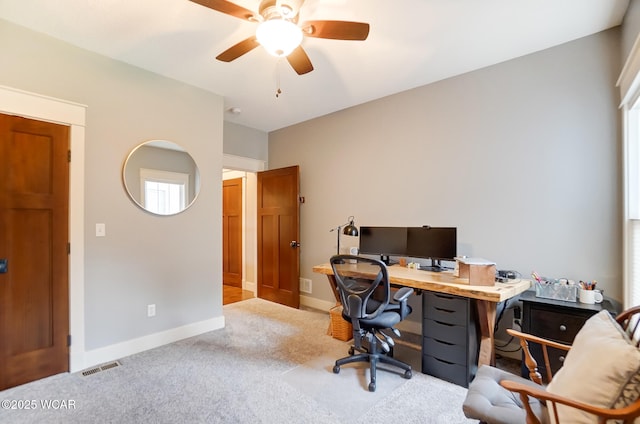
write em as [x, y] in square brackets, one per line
[278, 90]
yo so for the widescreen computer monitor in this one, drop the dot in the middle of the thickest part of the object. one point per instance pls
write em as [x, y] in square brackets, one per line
[435, 243]
[383, 241]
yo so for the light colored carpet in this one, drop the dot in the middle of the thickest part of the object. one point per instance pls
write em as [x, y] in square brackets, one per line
[270, 364]
[346, 394]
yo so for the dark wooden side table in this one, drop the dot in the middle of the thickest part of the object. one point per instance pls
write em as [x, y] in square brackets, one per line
[556, 320]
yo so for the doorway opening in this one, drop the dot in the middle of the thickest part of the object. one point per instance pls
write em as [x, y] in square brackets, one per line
[245, 169]
[238, 236]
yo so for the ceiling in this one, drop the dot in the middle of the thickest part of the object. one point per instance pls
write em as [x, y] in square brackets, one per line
[411, 43]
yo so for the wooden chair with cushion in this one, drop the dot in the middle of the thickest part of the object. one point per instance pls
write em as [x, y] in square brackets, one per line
[599, 381]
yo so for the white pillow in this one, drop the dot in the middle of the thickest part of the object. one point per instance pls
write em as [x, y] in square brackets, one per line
[602, 369]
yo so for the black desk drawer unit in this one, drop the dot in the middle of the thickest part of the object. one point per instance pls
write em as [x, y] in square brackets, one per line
[449, 337]
[556, 320]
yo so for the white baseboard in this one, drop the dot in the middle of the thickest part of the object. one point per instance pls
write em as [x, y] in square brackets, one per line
[251, 286]
[312, 302]
[83, 360]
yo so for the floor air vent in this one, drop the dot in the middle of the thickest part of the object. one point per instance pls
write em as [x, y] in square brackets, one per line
[101, 368]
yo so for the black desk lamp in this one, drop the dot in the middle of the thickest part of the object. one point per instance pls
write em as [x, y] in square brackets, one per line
[349, 230]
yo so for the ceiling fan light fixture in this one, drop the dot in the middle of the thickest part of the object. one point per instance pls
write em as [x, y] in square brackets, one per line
[288, 8]
[286, 11]
[279, 36]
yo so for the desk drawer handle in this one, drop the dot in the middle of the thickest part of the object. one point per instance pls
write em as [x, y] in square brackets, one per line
[443, 361]
[444, 343]
[563, 327]
[448, 311]
[445, 323]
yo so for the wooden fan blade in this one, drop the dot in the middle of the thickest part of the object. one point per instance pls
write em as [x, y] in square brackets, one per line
[336, 30]
[228, 8]
[299, 61]
[235, 51]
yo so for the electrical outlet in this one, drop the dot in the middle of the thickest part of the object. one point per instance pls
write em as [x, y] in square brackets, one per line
[151, 310]
[516, 325]
[305, 285]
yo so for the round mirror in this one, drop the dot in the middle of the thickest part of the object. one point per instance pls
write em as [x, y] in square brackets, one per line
[161, 177]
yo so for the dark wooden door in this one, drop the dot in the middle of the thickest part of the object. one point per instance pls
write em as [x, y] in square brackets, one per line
[232, 232]
[34, 290]
[278, 236]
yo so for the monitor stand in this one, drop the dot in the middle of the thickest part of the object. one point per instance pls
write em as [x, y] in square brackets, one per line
[436, 266]
[386, 259]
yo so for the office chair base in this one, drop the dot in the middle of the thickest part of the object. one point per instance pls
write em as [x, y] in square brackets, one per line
[373, 361]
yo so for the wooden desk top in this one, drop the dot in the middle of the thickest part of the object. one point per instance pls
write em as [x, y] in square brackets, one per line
[445, 282]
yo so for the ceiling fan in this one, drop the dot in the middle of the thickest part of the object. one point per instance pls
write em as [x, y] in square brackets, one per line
[279, 33]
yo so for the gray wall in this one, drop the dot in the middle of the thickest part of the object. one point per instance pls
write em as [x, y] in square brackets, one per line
[245, 142]
[523, 157]
[174, 262]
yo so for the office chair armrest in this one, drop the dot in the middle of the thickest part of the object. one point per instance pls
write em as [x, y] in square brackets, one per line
[402, 294]
[400, 297]
[552, 400]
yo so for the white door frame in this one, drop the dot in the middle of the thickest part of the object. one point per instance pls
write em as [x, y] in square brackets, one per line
[43, 108]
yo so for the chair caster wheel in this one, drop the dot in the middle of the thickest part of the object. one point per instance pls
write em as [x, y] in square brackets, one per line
[336, 369]
[351, 351]
[372, 387]
[408, 374]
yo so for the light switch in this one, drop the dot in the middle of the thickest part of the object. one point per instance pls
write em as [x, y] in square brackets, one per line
[101, 230]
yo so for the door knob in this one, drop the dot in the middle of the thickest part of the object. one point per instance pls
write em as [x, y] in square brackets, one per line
[294, 244]
[3, 265]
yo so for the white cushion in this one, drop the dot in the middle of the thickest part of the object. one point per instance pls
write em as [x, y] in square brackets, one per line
[602, 369]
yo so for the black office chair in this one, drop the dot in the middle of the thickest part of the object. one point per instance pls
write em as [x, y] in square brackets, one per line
[365, 292]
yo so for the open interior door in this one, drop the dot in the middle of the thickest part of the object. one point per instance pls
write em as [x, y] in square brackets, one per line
[278, 236]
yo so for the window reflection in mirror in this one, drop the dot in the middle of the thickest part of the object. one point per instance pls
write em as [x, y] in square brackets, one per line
[161, 177]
